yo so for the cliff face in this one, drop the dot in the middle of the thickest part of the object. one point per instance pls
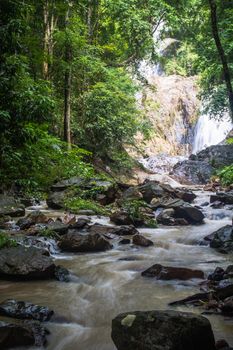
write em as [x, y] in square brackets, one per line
[171, 104]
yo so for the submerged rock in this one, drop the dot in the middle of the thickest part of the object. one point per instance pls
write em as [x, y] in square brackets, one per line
[25, 310]
[75, 242]
[142, 241]
[170, 273]
[157, 330]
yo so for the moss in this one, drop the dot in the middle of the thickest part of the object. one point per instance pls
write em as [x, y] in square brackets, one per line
[46, 232]
[151, 223]
[6, 241]
[76, 204]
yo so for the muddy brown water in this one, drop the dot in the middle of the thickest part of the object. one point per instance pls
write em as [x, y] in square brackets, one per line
[105, 284]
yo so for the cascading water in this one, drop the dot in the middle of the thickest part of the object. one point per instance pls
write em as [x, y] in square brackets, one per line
[209, 131]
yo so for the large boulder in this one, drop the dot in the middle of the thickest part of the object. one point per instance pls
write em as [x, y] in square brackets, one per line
[123, 230]
[10, 206]
[193, 171]
[183, 210]
[222, 239]
[25, 310]
[150, 190]
[167, 217]
[104, 192]
[223, 197]
[199, 168]
[76, 242]
[171, 273]
[162, 330]
[21, 263]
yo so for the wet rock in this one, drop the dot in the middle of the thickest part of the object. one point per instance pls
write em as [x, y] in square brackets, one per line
[25, 310]
[166, 217]
[15, 335]
[196, 299]
[222, 239]
[10, 206]
[217, 275]
[150, 190]
[80, 223]
[33, 218]
[142, 241]
[156, 330]
[193, 171]
[121, 218]
[222, 197]
[125, 231]
[119, 231]
[217, 155]
[21, 263]
[170, 273]
[58, 227]
[183, 210]
[62, 274]
[229, 271]
[221, 344]
[224, 290]
[125, 241]
[132, 193]
[55, 200]
[227, 307]
[75, 242]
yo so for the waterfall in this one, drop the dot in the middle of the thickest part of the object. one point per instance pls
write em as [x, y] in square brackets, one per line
[209, 131]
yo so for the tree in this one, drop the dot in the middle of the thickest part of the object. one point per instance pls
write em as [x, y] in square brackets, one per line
[222, 55]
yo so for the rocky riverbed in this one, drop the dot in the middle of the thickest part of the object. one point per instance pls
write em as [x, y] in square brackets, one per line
[93, 269]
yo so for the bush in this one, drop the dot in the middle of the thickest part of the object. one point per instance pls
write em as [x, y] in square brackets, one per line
[226, 175]
[41, 161]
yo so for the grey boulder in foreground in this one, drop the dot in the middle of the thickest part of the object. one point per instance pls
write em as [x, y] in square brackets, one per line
[162, 330]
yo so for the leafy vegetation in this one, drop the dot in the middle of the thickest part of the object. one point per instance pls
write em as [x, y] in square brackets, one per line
[226, 175]
[6, 241]
[77, 204]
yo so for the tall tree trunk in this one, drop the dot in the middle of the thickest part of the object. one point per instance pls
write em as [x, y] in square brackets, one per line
[46, 39]
[49, 26]
[223, 57]
[67, 88]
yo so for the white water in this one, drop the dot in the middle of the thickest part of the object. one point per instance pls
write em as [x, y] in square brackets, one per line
[209, 131]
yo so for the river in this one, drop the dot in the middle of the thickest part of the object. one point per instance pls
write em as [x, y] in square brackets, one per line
[105, 284]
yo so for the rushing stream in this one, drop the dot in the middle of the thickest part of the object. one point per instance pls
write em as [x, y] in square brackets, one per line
[105, 284]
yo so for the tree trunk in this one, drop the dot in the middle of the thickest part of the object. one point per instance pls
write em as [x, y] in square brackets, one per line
[223, 57]
[49, 26]
[67, 89]
[46, 40]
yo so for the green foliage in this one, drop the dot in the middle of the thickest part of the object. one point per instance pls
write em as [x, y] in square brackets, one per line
[6, 241]
[42, 160]
[48, 233]
[226, 175]
[76, 204]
